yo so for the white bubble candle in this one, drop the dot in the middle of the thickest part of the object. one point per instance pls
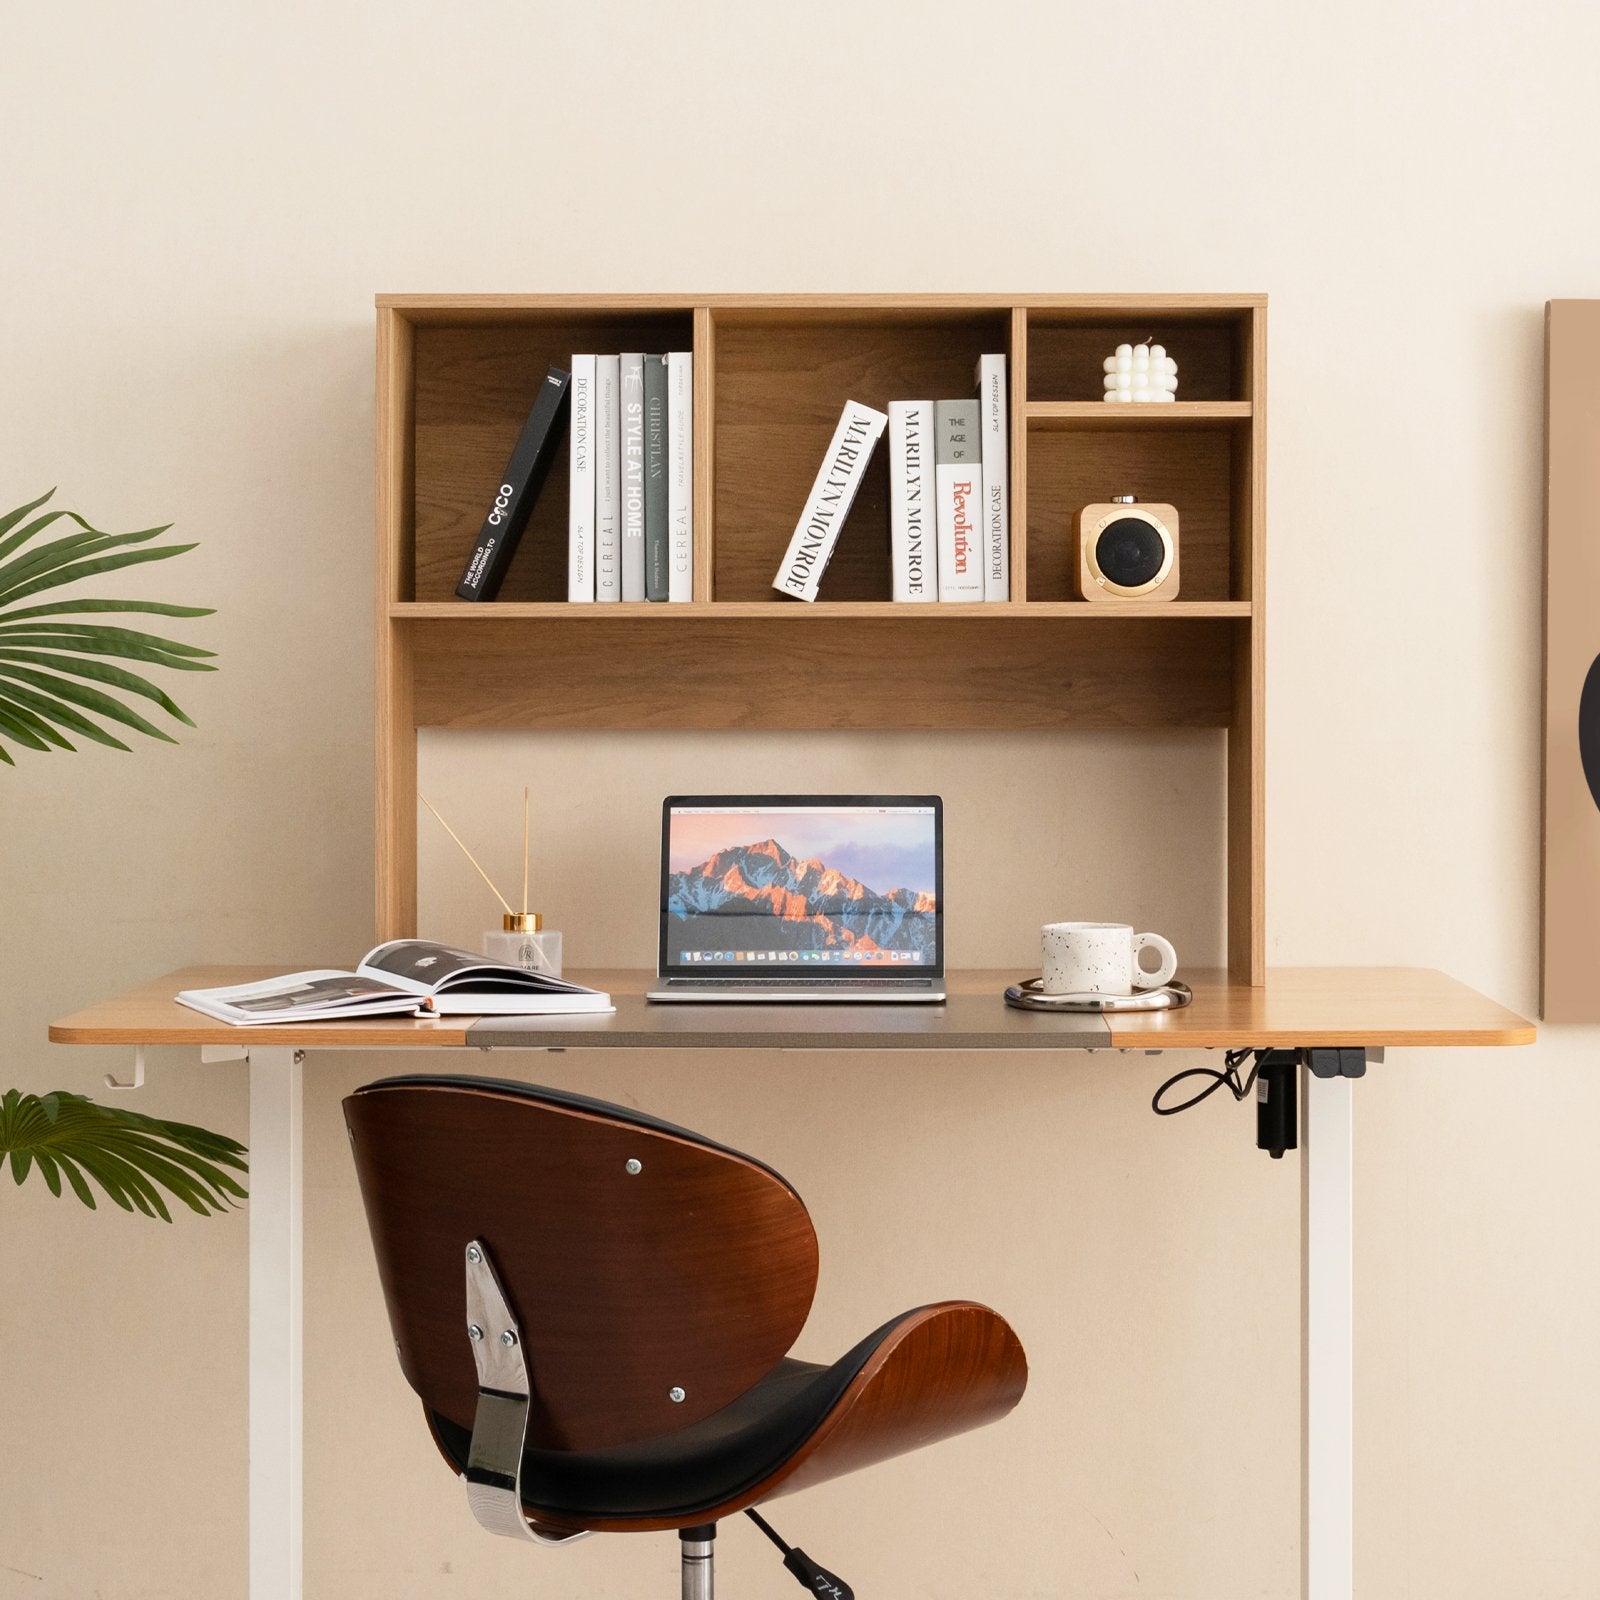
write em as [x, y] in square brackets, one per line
[1140, 372]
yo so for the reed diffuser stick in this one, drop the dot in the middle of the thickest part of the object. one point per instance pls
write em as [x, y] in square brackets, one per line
[468, 854]
[524, 847]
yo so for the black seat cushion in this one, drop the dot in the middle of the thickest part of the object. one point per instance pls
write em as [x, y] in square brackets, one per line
[696, 1468]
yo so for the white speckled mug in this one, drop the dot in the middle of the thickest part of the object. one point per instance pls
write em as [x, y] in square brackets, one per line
[1102, 958]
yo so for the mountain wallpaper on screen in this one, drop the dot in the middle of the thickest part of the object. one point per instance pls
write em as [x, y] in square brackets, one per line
[820, 907]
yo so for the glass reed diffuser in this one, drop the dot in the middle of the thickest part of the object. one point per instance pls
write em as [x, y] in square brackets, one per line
[521, 940]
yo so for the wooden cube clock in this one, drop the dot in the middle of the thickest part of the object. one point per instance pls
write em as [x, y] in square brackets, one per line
[1126, 551]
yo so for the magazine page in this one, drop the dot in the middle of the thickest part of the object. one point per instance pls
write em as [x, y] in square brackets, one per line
[419, 966]
[422, 967]
[301, 997]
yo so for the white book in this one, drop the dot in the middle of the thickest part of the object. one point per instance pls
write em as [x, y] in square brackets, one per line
[680, 475]
[828, 504]
[607, 479]
[996, 478]
[633, 585]
[958, 493]
[580, 484]
[913, 544]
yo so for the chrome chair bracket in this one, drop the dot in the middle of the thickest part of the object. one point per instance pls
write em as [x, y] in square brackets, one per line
[500, 1427]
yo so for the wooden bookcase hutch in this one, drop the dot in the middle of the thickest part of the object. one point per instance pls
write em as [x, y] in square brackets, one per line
[455, 375]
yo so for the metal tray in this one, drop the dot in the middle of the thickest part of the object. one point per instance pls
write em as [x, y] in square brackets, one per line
[1028, 995]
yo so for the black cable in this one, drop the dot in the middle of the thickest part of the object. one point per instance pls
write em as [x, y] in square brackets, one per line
[815, 1579]
[1228, 1078]
[766, 1527]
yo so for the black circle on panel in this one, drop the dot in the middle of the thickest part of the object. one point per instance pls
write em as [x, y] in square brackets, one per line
[1129, 552]
[1589, 730]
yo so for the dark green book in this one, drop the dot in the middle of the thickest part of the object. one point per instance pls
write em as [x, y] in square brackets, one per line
[655, 477]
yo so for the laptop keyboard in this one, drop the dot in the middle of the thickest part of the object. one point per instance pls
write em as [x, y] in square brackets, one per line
[801, 983]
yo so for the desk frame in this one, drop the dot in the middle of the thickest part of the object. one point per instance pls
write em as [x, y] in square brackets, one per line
[1327, 1329]
[1297, 1010]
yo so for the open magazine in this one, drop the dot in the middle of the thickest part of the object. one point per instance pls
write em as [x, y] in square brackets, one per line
[406, 978]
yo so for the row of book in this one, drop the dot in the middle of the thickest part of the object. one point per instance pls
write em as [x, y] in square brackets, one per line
[949, 495]
[630, 518]
[630, 453]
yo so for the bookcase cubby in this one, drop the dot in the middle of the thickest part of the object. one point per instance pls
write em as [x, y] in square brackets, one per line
[457, 373]
[473, 385]
[1067, 347]
[779, 382]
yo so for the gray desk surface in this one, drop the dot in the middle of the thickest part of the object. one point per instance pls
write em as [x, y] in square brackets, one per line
[964, 1022]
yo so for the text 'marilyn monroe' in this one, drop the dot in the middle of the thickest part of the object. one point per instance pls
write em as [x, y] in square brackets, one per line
[829, 502]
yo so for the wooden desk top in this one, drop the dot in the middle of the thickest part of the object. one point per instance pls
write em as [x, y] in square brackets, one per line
[1296, 1007]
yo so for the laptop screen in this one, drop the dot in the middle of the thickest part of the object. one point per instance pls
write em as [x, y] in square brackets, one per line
[789, 884]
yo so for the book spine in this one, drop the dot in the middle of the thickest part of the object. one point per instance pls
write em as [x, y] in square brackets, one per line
[958, 493]
[655, 477]
[607, 479]
[580, 461]
[996, 478]
[633, 476]
[680, 475]
[519, 488]
[911, 537]
[828, 504]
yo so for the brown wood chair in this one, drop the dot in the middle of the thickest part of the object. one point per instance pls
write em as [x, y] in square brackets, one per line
[596, 1309]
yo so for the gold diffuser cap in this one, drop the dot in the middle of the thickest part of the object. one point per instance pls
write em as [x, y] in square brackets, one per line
[522, 922]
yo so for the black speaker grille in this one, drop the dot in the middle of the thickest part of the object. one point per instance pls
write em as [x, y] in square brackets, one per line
[1129, 552]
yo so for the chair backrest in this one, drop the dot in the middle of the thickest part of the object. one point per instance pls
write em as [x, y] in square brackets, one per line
[688, 1274]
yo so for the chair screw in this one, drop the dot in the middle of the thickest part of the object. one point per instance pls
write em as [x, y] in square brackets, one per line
[676, 1395]
[508, 1337]
[635, 1167]
[474, 1332]
[474, 1254]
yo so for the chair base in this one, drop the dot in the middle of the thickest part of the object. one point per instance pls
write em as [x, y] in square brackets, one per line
[697, 1550]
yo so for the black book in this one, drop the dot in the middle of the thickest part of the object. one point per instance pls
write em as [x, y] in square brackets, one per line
[519, 488]
[655, 477]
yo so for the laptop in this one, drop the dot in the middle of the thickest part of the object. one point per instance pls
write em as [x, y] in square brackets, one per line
[802, 898]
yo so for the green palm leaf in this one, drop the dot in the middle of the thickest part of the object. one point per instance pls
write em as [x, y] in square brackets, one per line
[58, 552]
[16, 698]
[73, 570]
[81, 694]
[30, 728]
[62, 633]
[99, 642]
[117, 677]
[42, 658]
[155, 608]
[130, 1157]
[12, 518]
[38, 525]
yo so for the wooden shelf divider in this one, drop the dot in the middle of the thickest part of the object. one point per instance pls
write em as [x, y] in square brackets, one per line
[1017, 402]
[989, 613]
[1090, 414]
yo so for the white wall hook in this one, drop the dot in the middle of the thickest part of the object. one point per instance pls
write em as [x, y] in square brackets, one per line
[138, 1072]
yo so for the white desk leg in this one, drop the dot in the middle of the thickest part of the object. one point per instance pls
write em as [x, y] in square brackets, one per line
[275, 1196]
[1327, 1305]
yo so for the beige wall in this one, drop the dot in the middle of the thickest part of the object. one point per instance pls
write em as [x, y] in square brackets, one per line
[200, 202]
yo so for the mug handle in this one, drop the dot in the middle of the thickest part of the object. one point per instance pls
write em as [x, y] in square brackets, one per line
[1169, 961]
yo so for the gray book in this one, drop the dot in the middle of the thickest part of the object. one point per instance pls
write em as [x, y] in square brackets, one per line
[632, 476]
[655, 477]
